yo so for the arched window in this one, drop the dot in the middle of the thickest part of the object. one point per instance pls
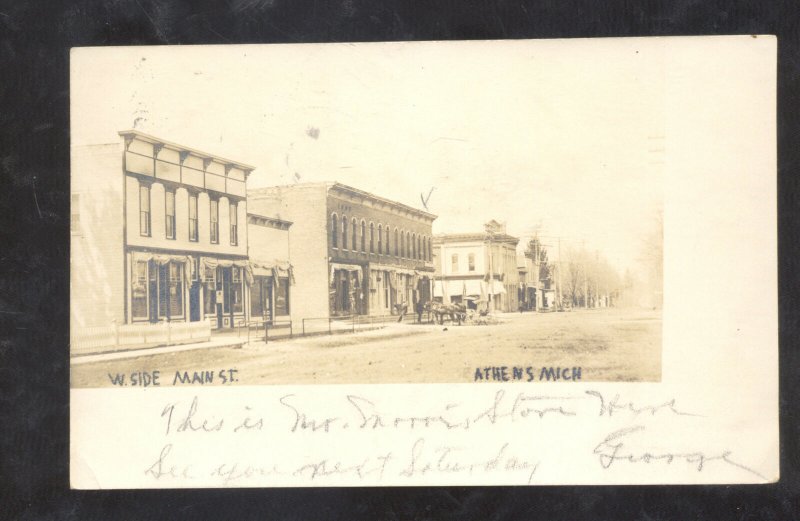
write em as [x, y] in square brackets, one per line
[413, 245]
[419, 248]
[430, 250]
[354, 238]
[334, 231]
[344, 232]
[396, 243]
[380, 239]
[363, 236]
[408, 244]
[402, 244]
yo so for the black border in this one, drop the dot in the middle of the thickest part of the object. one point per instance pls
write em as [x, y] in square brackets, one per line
[35, 38]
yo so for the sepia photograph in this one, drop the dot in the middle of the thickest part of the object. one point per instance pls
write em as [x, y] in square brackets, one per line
[396, 264]
[366, 213]
[370, 213]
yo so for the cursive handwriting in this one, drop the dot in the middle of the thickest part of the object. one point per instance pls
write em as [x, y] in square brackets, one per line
[616, 405]
[613, 449]
[448, 459]
[161, 469]
[188, 421]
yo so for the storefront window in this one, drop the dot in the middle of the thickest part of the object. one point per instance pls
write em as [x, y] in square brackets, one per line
[209, 291]
[175, 290]
[237, 293]
[139, 291]
[257, 298]
[282, 297]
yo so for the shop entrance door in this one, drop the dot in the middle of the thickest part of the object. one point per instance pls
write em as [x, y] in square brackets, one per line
[194, 302]
[345, 293]
[219, 297]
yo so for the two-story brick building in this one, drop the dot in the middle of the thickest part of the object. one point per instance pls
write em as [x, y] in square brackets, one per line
[159, 234]
[352, 252]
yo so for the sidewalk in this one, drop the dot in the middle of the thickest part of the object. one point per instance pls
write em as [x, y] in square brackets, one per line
[219, 341]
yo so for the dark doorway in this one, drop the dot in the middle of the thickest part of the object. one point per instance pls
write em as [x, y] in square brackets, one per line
[194, 302]
[220, 297]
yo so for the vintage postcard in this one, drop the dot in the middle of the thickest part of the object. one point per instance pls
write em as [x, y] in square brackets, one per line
[424, 263]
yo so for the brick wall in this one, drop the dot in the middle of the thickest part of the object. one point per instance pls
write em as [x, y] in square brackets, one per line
[375, 215]
[304, 206]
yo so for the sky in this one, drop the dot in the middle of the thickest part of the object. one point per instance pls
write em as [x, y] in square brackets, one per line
[564, 138]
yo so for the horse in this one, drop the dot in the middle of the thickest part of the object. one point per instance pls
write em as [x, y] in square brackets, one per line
[456, 312]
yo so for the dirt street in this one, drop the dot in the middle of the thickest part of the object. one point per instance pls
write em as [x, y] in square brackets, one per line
[607, 344]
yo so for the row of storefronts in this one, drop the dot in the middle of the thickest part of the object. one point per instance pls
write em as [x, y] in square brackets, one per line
[181, 240]
[177, 238]
[375, 289]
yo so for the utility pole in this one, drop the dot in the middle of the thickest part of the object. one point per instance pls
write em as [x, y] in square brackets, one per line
[558, 293]
[491, 274]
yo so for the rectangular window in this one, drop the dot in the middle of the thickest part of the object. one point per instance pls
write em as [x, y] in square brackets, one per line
[139, 291]
[214, 217]
[234, 225]
[170, 214]
[282, 297]
[454, 263]
[193, 217]
[471, 260]
[144, 210]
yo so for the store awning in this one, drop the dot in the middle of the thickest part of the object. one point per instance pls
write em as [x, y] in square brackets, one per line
[161, 259]
[340, 266]
[275, 268]
[496, 287]
[213, 263]
[473, 287]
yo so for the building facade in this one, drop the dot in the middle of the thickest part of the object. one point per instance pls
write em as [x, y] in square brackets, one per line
[353, 253]
[159, 235]
[478, 267]
[273, 275]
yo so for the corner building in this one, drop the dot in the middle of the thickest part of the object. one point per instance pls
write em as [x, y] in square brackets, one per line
[352, 252]
[159, 234]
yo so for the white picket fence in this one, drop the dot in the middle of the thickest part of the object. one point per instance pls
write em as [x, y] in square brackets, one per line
[130, 336]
